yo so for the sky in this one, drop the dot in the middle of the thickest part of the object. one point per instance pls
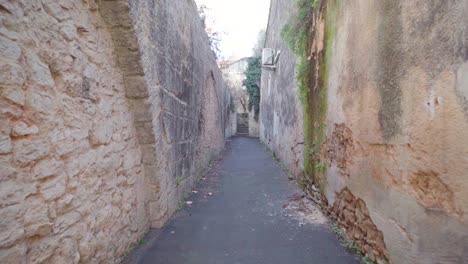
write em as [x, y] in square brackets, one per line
[239, 22]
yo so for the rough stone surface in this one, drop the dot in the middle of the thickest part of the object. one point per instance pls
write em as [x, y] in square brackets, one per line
[280, 121]
[353, 215]
[102, 125]
[396, 120]
[176, 92]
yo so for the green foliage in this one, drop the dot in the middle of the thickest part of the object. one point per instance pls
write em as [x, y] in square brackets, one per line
[252, 83]
[296, 34]
[312, 151]
[312, 76]
[350, 245]
[321, 166]
[296, 31]
[179, 181]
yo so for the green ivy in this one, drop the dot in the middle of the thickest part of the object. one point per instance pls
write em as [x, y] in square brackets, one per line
[252, 83]
[296, 34]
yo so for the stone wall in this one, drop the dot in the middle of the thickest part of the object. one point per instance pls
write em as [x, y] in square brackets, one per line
[187, 99]
[232, 124]
[106, 111]
[395, 78]
[280, 121]
[71, 170]
[253, 124]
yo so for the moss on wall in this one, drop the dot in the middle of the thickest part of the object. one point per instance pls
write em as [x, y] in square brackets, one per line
[312, 77]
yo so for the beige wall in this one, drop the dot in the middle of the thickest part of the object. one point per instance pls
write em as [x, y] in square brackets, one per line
[101, 132]
[396, 122]
[71, 174]
[397, 81]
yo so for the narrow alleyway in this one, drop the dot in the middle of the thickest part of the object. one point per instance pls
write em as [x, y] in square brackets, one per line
[239, 214]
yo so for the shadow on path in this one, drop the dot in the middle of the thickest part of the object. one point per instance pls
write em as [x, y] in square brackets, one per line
[239, 215]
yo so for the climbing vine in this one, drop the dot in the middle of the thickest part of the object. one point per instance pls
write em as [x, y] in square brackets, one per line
[252, 83]
[296, 33]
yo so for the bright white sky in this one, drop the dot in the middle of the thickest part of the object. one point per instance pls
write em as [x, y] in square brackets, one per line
[239, 22]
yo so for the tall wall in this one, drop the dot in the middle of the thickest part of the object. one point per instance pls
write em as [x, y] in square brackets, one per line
[281, 113]
[106, 108]
[187, 98]
[395, 79]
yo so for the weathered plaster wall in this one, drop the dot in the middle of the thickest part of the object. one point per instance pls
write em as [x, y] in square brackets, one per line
[396, 121]
[280, 121]
[397, 81]
[109, 112]
[71, 173]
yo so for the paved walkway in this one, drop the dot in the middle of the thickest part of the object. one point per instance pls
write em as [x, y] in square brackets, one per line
[244, 220]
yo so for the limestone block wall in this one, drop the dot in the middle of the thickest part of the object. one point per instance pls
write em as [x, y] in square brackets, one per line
[186, 99]
[109, 110]
[71, 171]
[281, 121]
[395, 78]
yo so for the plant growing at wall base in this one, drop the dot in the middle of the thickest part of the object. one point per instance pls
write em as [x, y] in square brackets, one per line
[179, 181]
[350, 245]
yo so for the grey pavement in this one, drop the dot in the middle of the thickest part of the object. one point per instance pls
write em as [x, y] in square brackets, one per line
[243, 220]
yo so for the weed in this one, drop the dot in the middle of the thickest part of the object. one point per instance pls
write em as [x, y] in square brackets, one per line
[312, 151]
[179, 180]
[275, 157]
[321, 166]
[365, 260]
[127, 254]
[350, 245]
